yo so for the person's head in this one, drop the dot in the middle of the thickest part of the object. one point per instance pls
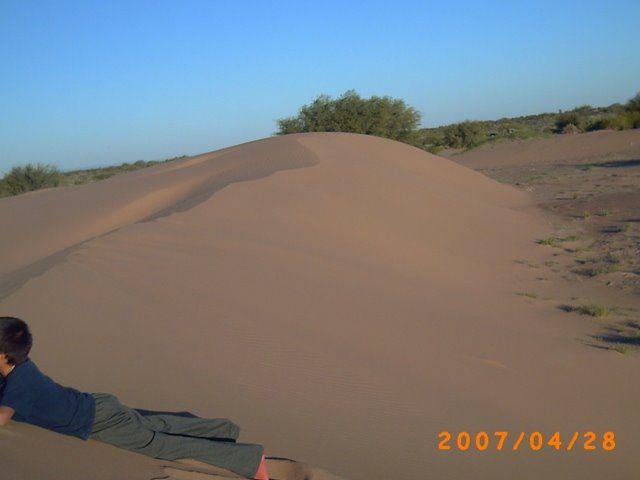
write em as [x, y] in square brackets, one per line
[15, 340]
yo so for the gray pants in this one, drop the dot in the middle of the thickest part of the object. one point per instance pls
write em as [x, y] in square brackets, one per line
[172, 437]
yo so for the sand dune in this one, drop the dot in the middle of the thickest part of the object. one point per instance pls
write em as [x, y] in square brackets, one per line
[45, 223]
[343, 298]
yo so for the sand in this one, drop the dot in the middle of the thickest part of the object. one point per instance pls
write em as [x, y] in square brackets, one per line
[343, 298]
[589, 187]
[568, 149]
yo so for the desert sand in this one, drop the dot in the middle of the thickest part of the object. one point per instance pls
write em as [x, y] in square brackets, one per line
[589, 185]
[343, 298]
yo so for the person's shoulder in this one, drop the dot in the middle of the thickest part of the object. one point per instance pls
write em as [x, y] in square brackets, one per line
[26, 369]
[25, 380]
[27, 364]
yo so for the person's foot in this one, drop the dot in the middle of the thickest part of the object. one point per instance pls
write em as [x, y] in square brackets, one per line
[262, 474]
[281, 468]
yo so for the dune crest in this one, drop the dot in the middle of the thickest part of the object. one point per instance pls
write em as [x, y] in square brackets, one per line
[73, 215]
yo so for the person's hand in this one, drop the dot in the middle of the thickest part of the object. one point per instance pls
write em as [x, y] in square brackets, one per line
[5, 415]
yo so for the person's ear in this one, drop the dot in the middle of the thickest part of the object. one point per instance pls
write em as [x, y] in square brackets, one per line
[3, 358]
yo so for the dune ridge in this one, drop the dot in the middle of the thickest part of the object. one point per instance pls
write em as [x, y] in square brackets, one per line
[343, 314]
[123, 200]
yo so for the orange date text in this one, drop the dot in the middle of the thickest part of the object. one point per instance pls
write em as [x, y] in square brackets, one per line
[533, 441]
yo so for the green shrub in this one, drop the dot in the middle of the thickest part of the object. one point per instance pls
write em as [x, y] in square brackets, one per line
[467, 134]
[566, 120]
[599, 124]
[380, 116]
[633, 105]
[595, 309]
[29, 177]
[624, 121]
[557, 241]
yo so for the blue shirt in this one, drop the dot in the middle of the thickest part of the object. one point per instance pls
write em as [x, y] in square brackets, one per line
[40, 401]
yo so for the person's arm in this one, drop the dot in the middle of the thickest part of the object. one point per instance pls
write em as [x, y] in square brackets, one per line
[5, 415]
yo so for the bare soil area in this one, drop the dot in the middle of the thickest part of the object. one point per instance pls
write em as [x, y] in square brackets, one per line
[589, 186]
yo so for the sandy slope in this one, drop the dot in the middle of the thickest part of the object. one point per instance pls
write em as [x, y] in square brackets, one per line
[344, 313]
[565, 148]
[590, 183]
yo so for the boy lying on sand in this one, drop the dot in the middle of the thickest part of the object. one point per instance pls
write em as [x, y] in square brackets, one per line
[27, 395]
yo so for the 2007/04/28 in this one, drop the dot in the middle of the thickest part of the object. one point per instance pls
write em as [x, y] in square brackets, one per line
[536, 441]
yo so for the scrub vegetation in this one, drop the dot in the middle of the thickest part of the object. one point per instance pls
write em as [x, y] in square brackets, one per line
[379, 116]
[592, 309]
[29, 177]
[37, 176]
[393, 118]
[581, 119]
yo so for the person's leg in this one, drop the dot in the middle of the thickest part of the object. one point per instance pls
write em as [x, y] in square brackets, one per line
[212, 428]
[242, 458]
[118, 425]
[123, 427]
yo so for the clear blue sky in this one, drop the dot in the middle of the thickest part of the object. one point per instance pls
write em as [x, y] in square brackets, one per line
[96, 82]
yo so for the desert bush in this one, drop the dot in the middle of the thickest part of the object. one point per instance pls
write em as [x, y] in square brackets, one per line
[599, 124]
[619, 117]
[380, 116]
[625, 121]
[595, 309]
[633, 105]
[431, 140]
[566, 120]
[622, 121]
[465, 135]
[592, 309]
[29, 177]
[584, 110]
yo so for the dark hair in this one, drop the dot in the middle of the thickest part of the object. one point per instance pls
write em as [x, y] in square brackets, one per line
[15, 339]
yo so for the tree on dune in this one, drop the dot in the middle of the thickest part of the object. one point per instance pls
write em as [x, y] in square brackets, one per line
[380, 116]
